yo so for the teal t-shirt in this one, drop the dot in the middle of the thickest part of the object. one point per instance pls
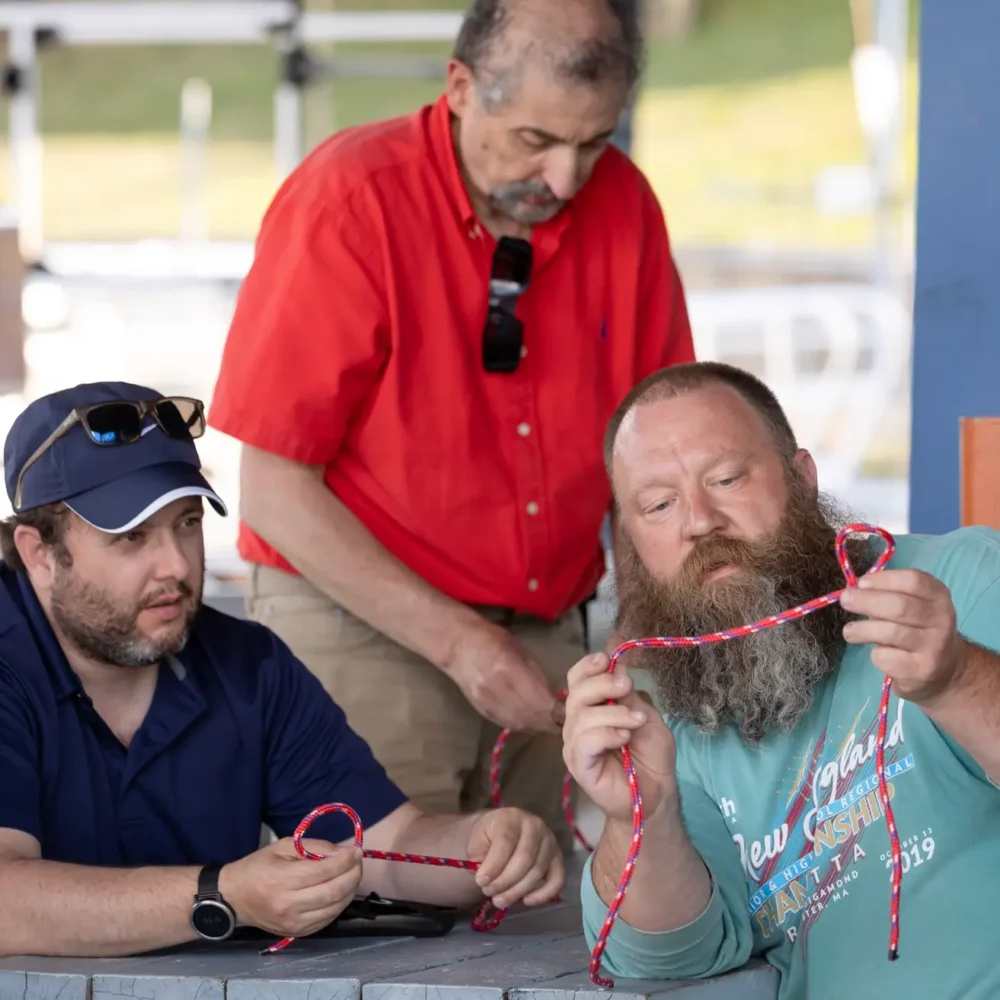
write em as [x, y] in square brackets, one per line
[796, 841]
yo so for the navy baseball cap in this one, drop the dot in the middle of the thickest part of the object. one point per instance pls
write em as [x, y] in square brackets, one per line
[114, 488]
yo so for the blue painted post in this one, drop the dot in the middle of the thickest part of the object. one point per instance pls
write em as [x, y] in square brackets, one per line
[956, 340]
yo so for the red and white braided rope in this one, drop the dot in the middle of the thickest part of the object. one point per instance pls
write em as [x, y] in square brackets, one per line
[488, 918]
[771, 621]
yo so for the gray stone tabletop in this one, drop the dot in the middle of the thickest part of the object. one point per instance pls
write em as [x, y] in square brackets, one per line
[532, 955]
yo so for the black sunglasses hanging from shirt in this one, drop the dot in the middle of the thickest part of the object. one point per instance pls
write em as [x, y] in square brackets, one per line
[503, 335]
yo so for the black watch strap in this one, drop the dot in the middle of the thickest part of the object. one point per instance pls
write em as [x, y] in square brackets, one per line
[208, 882]
[211, 916]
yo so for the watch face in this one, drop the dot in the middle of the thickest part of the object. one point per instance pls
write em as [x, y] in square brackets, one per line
[212, 920]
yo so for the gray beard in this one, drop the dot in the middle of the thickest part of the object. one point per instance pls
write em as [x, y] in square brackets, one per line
[510, 201]
[760, 682]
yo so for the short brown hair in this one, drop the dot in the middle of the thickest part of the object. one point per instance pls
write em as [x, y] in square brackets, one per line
[679, 379]
[49, 521]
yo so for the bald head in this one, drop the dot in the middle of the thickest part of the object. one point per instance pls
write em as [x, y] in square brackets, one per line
[668, 383]
[579, 41]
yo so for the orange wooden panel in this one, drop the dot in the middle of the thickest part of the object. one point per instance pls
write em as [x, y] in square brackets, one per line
[980, 471]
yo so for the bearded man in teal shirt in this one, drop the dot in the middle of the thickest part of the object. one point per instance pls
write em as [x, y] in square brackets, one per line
[765, 834]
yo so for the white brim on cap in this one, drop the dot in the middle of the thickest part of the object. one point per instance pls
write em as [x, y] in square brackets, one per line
[123, 504]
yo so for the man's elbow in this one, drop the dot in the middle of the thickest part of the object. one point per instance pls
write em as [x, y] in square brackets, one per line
[268, 484]
[8, 945]
[712, 945]
[623, 963]
[16, 938]
[254, 498]
[19, 934]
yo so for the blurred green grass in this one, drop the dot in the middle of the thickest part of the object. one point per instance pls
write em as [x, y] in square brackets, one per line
[759, 98]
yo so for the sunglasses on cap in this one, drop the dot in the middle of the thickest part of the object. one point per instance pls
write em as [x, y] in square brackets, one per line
[121, 422]
[503, 335]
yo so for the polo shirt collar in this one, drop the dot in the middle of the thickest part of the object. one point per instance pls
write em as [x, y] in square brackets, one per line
[544, 237]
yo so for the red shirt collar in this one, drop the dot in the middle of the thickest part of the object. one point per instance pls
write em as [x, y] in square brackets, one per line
[544, 236]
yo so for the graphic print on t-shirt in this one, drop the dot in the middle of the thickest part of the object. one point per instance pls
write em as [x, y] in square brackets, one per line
[811, 856]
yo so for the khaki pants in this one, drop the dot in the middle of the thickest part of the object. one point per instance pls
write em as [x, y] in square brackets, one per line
[420, 727]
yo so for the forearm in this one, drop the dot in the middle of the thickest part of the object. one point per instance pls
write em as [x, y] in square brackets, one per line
[970, 710]
[670, 886]
[76, 910]
[443, 836]
[329, 546]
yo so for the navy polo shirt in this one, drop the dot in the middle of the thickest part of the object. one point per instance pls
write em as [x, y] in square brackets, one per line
[239, 732]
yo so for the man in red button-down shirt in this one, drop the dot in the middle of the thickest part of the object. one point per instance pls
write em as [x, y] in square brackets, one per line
[422, 479]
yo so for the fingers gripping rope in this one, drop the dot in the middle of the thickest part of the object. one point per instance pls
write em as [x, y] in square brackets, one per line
[486, 919]
[703, 640]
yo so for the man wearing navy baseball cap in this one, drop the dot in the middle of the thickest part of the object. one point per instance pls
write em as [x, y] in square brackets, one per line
[48, 456]
[145, 737]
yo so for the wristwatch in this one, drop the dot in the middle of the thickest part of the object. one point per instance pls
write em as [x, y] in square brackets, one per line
[211, 916]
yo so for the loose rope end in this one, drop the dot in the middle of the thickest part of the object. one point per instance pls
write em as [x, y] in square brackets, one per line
[273, 949]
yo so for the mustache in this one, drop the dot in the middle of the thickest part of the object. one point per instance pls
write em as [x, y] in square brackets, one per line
[526, 189]
[713, 554]
[168, 595]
